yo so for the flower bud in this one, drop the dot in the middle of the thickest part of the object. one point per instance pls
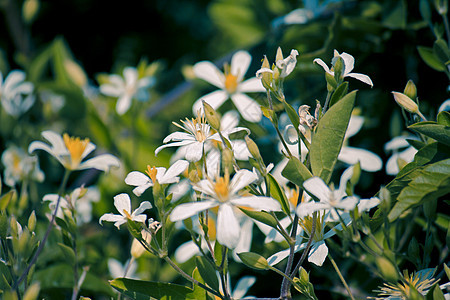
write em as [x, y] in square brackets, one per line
[338, 67]
[254, 260]
[331, 82]
[211, 115]
[75, 72]
[227, 160]
[279, 55]
[405, 102]
[252, 147]
[410, 90]
[136, 247]
[30, 9]
[32, 221]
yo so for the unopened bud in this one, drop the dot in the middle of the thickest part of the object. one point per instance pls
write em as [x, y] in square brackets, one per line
[338, 67]
[252, 147]
[405, 102]
[227, 160]
[254, 260]
[136, 247]
[211, 115]
[75, 72]
[29, 10]
[32, 221]
[32, 292]
[279, 55]
[331, 82]
[410, 90]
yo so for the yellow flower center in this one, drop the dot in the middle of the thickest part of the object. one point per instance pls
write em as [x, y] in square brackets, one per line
[197, 127]
[221, 187]
[127, 214]
[231, 81]
[211, 229]
[76, 147]
[307, 224]
[151, 172]
[294, 197]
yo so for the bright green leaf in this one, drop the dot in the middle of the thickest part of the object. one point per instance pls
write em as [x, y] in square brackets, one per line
[443, 118]
[254, 260]
[292, 114]
[440, 133]
[296, 172]
[430, 59]
[140, 289]
[327, 141]
[340, 92]
[261, 216]
[277, 193]
[207, 271]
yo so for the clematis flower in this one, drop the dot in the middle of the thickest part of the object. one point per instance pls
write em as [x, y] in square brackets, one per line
[319, 250]
[127, 88]
[160, 175]
[285, 66]
[399, 158]
[71, 151]
[230, 85]
[20, 166]
[349, 63]
[15, 93]
[225, 194]
[198, 134]
[122, 203]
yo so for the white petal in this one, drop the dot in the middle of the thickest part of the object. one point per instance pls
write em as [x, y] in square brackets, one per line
[89, 148]
[130, 74]
[243, 285]
[318, 188]
[176, 144]
[241, 179]
[187, 210]
[143, 207]
[111, 90]
[245, 239]
[102, 162]
[215, 99]
[354, 126]
[323, 65]
[349, 62]
[176, 169]
[210, 73]
[13, 79]
[229, 120]
[123, 104]
[138, 191]
[178, 136]
[56, 141]
[396, 143]
[122, 202]
[228, 229]
[259, 74]
[277, 257]
[139, 218]
[240, 63]
[179, 190]
[136, 178]
[37, 145]
[318, 253]
[113, 218]
[361, 77]
[204, 186]
[185, 251]
[257, 202]
[307, 209]
[348, 203]
[247, 107]
[240, 150]
[251, 85]
[194, 151]
[369, 161]
[367, 204]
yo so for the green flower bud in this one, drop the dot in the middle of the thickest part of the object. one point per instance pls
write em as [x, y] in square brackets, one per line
[410, 90]
[75, 72]
[253, 148]
[211, 115]
[339, 68]
[30, 9]
[279, 55]
[227, 160]
[32, 221]
[254, 260]
[405, 102]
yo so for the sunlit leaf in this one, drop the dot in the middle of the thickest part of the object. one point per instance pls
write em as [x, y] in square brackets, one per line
[140, 289]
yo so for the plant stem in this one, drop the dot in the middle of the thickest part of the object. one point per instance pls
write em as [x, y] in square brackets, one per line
[308, 246]
[327, 101]
[340, 276]
[282, 141]
[47, 233]
[285, 285]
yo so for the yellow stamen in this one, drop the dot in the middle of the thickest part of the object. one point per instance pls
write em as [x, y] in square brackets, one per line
[151, 172]
[231, 83]
[211, 229]
[127, 214]
[307, 223]
[76, 147]
[294, 197]
[221, 187]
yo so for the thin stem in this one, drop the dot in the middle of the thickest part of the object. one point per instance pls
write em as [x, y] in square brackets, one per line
[308, 246]
[47, 233]
[340, 276]
[285, 285]
[75, 273]
[447, 28]
[186, 276]
[282, 274]
[282, 141]
[422, 116]
[327, 101]
[269, 99]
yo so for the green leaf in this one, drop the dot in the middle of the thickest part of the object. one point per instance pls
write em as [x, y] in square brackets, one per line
[207, 271]
[254, 260]
[440, 133]
[396, 16]
[261, 216]
[327, 141]
[425, 10]
[430, 58]
[140, 289]
[277, 193]
[443, 118]
[340, 92]
[198, 292]
[431, 183]
[218, 253]
[435, 293]
[441, 51]
[5, 199]
[68, 252]
[296, 172]
[292, 114]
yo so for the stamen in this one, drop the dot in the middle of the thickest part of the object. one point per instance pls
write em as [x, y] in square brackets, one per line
[76, 147]
[221, 187]
[151, 172]
[127, 214]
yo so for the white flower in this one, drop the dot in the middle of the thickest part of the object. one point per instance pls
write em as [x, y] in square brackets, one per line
[127, 88]
[287, 65]
[78, 201]
[349, 63]
[16, 94]
[70, 152]
[20, 166]
[445, 106]
[160, 175]
[197, 134]
[117, 270]
[122, 203]
[399, 159]
[224, 194]
[319, 250]
[369, 161]
[231, 86]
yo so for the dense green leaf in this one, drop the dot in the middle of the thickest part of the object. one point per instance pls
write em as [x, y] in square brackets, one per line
[261, 216]
[277, 193]
[140, 289]
[68, 252]
[440, 133]
[329, 136]
[430, 59]
[292, 114]
[198, 293]
[296, 172]
[431, 182]
[443, 118]
[441, 51]
[435, 293]
[340, 92]
[207, 271]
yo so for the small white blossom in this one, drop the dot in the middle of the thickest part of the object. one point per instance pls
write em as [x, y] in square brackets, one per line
[15, 93]
[20, 166]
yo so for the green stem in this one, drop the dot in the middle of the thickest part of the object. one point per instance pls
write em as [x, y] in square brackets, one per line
[327, 101]
[340, 276]
[285, 285]
[282, 141]
[308, 246]
[47, 233]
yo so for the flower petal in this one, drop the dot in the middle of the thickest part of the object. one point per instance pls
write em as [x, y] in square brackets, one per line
[176, 169]
[122, 202]
[354, 126]
[123, 104]
[210, 73]
[242, 286]
[251, 85]
[349, 62]
[187, 210]
[279, 256]
[240, 150]
[228, 229]
[361, 77]
[367, 204]
[185, 251]
[56, 141]
[247, 107]
[257, 202]
[396, 143]
[143, 207]
[175, 144]
[136, 178]
[240, 63]
[194, 151]
[215, 99]
[102, 162]
[318, 253]
[323, 65]
[307, 209]
[138, 191]
[229, 120]
[318, 188]
[118, 219]
[369, 161]
[241, 179]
